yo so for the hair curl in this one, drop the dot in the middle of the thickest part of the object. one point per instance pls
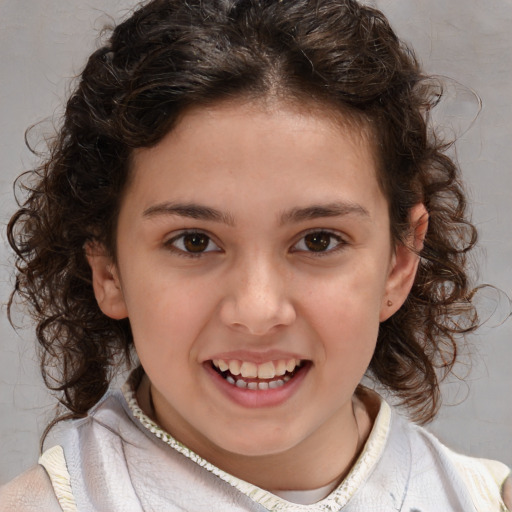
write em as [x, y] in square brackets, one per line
[170, 55]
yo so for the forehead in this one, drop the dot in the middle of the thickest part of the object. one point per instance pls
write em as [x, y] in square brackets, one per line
[228, 113]
[242, 141]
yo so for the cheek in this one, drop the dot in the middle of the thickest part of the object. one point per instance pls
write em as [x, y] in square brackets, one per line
[347, 294]
[170, 313]
[344, 312]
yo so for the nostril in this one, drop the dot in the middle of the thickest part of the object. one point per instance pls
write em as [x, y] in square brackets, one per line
[257, 315]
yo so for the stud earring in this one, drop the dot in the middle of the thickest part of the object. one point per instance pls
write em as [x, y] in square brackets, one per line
[389, 303]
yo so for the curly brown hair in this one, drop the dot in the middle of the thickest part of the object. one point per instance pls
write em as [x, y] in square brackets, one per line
[170, 55]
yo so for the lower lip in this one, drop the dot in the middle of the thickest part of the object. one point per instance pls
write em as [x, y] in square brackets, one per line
[258, 398]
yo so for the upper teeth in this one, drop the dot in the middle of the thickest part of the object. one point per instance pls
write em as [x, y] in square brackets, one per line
[247, 369]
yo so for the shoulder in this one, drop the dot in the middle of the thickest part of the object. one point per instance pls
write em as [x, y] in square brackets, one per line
[46, 487]
[506, 492]
[488, 482]
[485, 477]
[31, 491]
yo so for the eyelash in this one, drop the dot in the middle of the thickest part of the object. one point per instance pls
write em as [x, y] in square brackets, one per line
[340, 243]
[171, 244]
[339, 240]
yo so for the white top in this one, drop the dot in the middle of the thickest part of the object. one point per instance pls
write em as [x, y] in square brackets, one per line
[118, 459]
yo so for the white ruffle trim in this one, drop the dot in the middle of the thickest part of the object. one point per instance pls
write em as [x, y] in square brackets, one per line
[332, 503]
[54, 462]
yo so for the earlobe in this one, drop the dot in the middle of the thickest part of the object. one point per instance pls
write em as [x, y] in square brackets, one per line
[405, 263]
[105, 281]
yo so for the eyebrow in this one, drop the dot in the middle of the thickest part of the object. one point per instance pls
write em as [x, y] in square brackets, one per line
[323, 210]
[295, 215]
[190, 210]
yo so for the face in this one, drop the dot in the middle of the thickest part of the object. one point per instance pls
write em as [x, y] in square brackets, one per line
[254, 264]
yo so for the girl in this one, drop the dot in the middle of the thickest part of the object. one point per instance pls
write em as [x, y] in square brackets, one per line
[245, 204]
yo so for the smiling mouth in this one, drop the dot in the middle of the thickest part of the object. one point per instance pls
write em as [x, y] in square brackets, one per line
[254, 377]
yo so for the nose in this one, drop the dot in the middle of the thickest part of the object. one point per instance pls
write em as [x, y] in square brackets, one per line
[257, 301]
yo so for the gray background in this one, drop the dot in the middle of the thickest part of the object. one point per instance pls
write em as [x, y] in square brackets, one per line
[44, 44]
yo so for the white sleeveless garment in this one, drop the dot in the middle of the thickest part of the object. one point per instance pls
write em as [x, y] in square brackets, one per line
[118, 460]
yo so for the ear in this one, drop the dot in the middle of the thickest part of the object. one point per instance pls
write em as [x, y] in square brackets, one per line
[105, 281]
[405, 263]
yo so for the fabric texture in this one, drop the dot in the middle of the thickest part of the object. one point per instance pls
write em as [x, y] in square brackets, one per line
[117, 459]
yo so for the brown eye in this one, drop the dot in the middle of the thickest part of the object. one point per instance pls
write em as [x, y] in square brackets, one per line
[196, 242]
[193, 243]
[318, 242]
